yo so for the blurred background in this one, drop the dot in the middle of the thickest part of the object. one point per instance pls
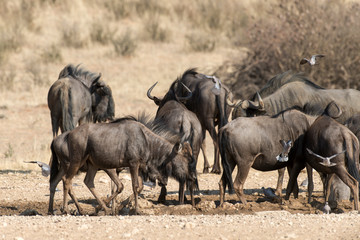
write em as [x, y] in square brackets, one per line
[135, 43]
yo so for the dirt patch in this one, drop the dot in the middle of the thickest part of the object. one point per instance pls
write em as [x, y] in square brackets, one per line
[24, 204]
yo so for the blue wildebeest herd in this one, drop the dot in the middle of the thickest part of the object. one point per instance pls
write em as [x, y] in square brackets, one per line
[290, 123]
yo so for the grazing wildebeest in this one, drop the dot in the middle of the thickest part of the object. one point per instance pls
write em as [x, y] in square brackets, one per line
[208, 107]
[122, 143]
[178, 118]
[331, 148]
[254, 142]
[70, 101]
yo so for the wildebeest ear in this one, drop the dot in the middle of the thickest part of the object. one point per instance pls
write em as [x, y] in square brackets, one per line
[187, 146]
[282, 142]
[97, 78]
[177, 147]
[333, 110]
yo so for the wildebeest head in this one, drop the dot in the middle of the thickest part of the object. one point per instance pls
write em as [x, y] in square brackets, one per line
[170, 95]
[247, 108]
[103, 106]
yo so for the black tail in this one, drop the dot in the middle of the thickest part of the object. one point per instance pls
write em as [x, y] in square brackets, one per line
[67, 117]
[222, 110]
[54, 168]
[227, 173]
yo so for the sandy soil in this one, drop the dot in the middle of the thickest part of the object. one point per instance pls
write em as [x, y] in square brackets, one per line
[24, 203]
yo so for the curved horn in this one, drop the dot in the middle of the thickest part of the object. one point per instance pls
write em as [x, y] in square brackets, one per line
[258, 104]
[261, 102]
[186, 97]
[232, 104]
[149, 92]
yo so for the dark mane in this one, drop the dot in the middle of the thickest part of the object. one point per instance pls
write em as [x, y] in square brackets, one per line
[284, 78]
[288, 109]
[78, 73]
[156, 126]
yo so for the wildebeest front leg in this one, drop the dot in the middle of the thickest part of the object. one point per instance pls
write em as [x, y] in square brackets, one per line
[134, 171]
[89, 182]
[309, 171]
[181, 192]
[281, 173]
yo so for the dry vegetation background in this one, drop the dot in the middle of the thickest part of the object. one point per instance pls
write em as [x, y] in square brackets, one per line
[136, 43]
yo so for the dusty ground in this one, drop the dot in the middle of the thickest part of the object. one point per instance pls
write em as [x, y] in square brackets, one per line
[25, 134]
[26, 193]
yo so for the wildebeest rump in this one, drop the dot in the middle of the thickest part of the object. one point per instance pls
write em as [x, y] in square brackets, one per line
[325, 138]
[70, 101]
[254, 142]
[121, 143]
[209, 108]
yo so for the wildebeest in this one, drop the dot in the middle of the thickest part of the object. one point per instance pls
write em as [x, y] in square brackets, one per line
[289, 89]
[178, 118]
[209, 108]
[70, 101]
[122, 143]
[326, 138]
[254, 142]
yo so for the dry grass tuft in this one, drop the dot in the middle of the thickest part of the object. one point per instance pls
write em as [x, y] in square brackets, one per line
[125, 44]
[200, 42]
[290, 31]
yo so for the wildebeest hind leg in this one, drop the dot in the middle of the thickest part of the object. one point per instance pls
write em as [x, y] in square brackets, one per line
[281, 173]
[242, 173]
[53, 185]
[74, 198]
[119, 186]
[216, 166]
[352, 183]
[89, 182]
[206, 162]
[328, 181]
[292, 185]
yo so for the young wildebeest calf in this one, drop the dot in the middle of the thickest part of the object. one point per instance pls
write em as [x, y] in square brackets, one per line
[121, 143]
[175, 116]
[330, 148]
[254, 142]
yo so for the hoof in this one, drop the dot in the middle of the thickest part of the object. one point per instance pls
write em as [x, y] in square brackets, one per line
[206, 170]
[215, 171]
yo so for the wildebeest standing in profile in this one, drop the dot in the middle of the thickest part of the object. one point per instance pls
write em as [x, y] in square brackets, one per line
[254, 142]
[208, 107]
[70, 101]
[326, 138]
[121, 143]
[288, 89]
[178, 118]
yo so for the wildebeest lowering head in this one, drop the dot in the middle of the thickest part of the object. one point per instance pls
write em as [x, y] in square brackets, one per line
[75, 95]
